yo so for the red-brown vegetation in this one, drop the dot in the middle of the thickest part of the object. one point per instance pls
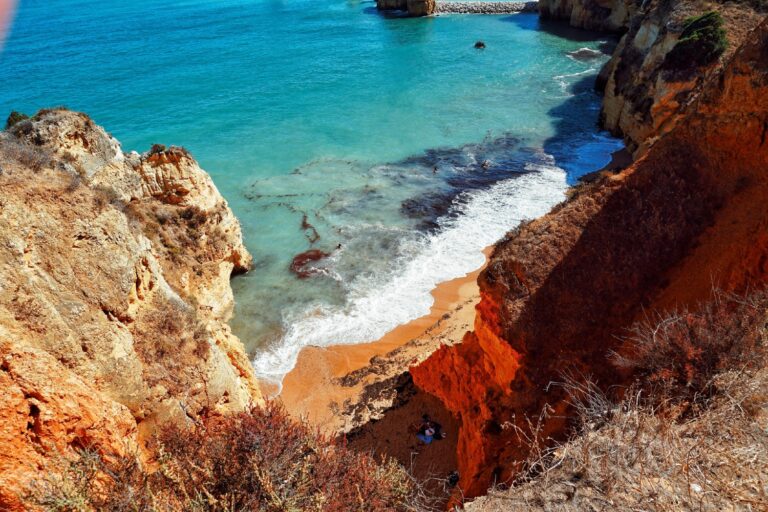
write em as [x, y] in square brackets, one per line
[258, 460]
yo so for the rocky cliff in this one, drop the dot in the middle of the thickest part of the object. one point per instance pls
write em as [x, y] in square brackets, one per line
[115, 298]
[644, 95]
[645, 90]
[610, 15]
[559, 292]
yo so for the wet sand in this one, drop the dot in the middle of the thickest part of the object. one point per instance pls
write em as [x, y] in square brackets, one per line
[327, 382]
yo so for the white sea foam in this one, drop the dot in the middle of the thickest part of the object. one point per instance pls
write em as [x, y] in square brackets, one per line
[565, 81]
[376, 306]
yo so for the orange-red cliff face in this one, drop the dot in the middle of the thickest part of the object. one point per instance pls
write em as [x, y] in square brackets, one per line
[558, 291]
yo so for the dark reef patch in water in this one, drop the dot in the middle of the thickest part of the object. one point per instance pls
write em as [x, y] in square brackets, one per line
[459, 170]
[309, 230]
[428, 208]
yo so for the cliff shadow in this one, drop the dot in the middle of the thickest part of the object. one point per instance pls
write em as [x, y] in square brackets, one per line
[563, 30]
[394, 435]
[606, 258]
[578, 147]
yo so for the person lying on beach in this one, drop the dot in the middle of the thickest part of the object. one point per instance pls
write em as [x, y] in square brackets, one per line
[426, 435]
[429, 430]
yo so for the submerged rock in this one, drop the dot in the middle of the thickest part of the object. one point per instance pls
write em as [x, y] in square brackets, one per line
[300, 265]
[584, 54]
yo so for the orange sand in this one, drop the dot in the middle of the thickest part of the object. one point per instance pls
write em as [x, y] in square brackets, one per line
[308, 390]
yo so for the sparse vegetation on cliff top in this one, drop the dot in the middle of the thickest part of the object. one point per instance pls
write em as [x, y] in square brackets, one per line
[702, 42]
[15, 117]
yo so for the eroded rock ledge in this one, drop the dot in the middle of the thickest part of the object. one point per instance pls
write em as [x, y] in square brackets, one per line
[114, 271]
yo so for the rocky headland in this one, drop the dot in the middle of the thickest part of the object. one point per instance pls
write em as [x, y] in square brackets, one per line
[116, 268]
[115, 273]
[559, 292]
[681, 224]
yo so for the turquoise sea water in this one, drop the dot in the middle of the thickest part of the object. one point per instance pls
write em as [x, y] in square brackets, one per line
[390, 144]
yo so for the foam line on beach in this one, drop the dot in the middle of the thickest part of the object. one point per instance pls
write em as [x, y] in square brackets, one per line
[375, 305]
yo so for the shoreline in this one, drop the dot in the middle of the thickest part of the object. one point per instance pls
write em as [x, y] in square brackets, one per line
[314, 389]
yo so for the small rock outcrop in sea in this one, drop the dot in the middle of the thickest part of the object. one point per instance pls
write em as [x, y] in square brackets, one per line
[480, 45]
[412, 7]
[114, 270]
[421, 7]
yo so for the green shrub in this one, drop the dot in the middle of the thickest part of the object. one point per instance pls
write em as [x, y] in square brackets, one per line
[15, 117]
[701, 43]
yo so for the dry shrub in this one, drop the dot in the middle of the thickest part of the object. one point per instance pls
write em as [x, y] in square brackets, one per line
[257, 460]
[171, 334]
[26, 155]
[181, 230]
[88, 482]
[686, 348]
[15, 117]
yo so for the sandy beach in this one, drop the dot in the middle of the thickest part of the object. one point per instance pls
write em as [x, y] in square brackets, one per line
[327, 386]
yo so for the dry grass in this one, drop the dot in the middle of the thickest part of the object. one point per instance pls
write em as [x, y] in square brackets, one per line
[22, 154]
[171, 340]
[641, 459]
[673, 441]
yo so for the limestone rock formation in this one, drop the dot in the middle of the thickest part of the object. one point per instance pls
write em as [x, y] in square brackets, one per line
[559, 292]
[114, 270]
[643, 100]
[610, 15]
[421, 7]
[413, 7]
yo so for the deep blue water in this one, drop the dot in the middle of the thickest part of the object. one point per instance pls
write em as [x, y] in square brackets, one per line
[392, 137]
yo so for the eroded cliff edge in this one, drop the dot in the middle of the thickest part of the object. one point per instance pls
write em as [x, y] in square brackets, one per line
[560, 291]
[115, 298]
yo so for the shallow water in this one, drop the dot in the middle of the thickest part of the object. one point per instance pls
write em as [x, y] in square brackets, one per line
[327, 124]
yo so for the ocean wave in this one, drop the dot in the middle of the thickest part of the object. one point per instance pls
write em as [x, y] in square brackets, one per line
[377, 304]
[565, 81]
